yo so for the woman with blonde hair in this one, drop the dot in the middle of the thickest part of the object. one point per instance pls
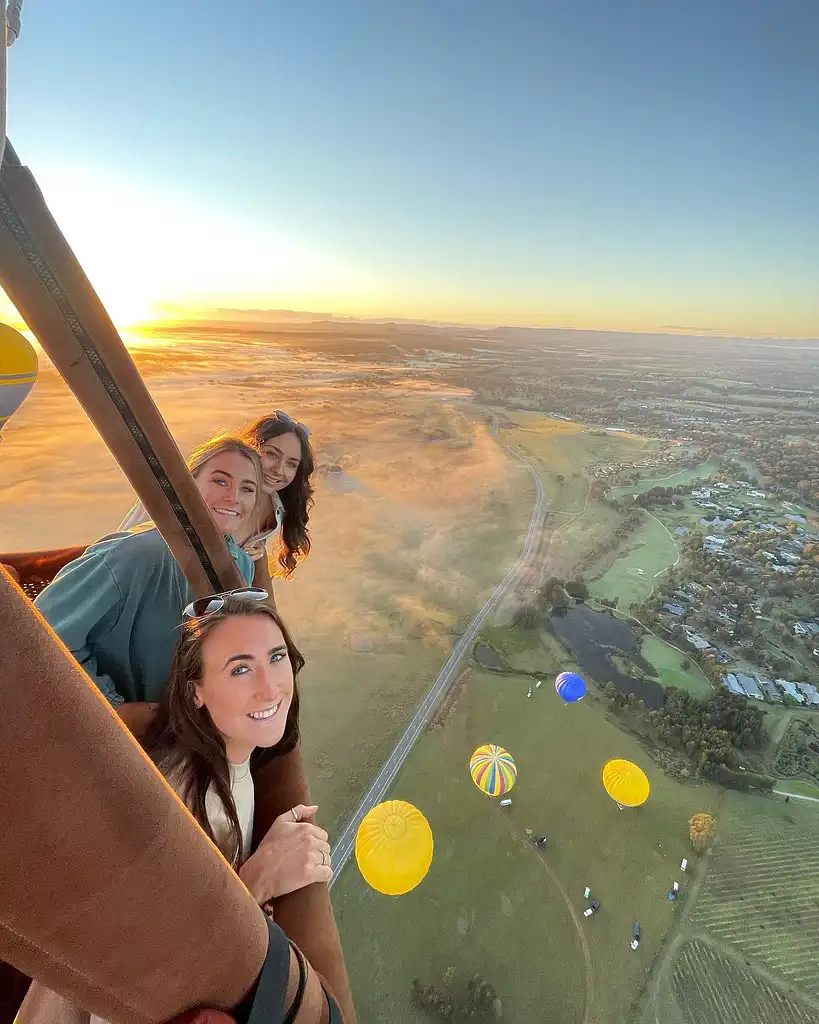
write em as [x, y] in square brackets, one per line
[279, 524]
[118, 607]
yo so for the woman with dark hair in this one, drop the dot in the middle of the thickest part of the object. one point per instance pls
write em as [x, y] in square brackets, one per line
[232, 696]
[287, 490]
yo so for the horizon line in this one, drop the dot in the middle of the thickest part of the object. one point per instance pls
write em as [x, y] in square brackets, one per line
[284, 316]
[267, 317]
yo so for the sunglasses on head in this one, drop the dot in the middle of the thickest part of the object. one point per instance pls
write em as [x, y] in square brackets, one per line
[207, 605]
[283, 417]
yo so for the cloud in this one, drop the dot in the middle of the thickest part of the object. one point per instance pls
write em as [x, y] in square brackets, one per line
[688, 327]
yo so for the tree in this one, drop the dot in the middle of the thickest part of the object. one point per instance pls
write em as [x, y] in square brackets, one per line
[577, 588]
[701, 831]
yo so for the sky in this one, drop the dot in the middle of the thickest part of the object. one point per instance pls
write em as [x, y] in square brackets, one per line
[645, 166]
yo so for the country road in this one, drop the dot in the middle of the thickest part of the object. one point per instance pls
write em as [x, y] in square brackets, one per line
[346, 841]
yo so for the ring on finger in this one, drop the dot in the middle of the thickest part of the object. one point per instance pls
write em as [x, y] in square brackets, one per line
[293, 812]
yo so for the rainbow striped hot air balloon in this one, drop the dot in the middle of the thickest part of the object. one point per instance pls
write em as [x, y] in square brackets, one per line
[18, 371]
[626, 783]
[493, 769]
[570, 686]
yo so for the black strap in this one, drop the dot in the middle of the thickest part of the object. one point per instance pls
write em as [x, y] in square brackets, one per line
[266, 1003]
[294, 1009]
[335, 1013]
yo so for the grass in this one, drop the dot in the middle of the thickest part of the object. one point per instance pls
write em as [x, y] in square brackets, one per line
[761, 894]
[798, 788]
[649, 548]
[489, 903]
[682, 476]
[528, 651]
[396, 571]
[584, 535]
[668, 663]
[407, 602]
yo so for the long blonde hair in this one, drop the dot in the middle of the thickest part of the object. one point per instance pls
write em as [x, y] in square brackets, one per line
[220, 444]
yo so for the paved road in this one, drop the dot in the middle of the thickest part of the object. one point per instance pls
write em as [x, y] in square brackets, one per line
[346, 841]
[797, 796]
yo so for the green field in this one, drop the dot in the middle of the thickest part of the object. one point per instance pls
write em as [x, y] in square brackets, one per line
[682, 476]
[395, 572]
[761, 894]
[745, 949]
[584, 533]
[797, 787]
[710, 988]
[668, 663]
[649, 548]
[494, 904]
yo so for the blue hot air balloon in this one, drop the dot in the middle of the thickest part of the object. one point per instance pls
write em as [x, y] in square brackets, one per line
[570, 686]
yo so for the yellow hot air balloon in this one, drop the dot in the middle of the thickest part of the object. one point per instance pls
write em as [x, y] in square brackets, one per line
[393, 847]
[626, 783]
[18, 371]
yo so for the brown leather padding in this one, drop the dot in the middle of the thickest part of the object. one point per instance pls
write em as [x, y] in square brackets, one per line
[307, 914]
[43, 565]
[109, 891]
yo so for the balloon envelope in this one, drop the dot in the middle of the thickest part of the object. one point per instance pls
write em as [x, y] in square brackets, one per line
[393, 847]
[493, 769]
[570, 686]
[18, 371]
[626, 783]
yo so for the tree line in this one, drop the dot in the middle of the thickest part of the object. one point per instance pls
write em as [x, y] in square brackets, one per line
[710, 732]
[451, 1000]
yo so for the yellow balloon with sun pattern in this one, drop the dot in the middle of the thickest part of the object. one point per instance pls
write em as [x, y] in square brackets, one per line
[18, 371]
[393, 847]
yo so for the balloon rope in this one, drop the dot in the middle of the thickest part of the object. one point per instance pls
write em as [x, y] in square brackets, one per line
[13, 13]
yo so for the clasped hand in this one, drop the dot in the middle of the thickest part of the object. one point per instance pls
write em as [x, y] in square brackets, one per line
[294, 853]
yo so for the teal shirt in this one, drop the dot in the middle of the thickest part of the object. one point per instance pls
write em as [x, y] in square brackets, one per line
[118, 608]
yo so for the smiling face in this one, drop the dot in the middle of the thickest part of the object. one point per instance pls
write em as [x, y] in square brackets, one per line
[246, 684]
[227, 482]
[281, 458]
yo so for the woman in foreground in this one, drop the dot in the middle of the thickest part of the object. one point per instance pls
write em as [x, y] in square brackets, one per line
[233, 690]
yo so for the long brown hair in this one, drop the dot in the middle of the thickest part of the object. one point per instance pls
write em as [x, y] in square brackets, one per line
[183, 742]
[297, 497]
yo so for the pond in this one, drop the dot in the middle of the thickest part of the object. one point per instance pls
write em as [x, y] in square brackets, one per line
[595, 639]
[487, 657]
